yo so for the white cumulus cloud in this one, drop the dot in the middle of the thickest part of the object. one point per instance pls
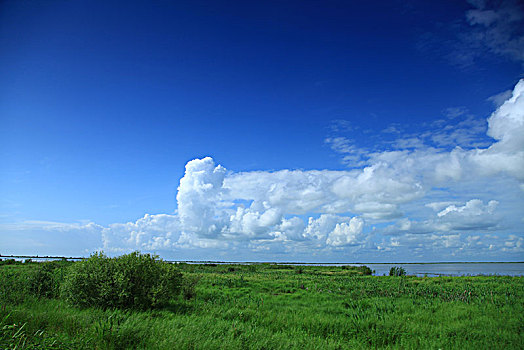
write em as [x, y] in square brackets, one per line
[152, 232]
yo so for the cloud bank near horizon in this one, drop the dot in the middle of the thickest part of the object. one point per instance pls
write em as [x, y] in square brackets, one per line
[420, 199]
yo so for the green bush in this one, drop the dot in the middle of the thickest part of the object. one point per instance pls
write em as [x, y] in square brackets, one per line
[9, 262]
[365, 270]
[46, 279]
[397, 271]
[252, 268]
[138, 281]
[13, 287]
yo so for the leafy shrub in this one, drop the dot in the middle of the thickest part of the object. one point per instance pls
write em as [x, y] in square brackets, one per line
[13, 287]
[8, 262]
[397, 271]
[364, 270]
[46, 279]
[358, 270]
[89, 282]
[134, 280]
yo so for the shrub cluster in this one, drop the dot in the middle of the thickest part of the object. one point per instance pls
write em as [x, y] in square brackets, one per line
[134, 280]
[397, 271]
[364, 270]
[9, 262]
[13, 287]
[46, 279]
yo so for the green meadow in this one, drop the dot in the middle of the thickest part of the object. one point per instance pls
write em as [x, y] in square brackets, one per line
[259, 306]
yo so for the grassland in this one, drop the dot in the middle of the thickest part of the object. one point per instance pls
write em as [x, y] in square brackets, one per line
[276, 307]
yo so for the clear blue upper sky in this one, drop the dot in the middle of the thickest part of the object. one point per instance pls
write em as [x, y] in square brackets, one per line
[102, 104]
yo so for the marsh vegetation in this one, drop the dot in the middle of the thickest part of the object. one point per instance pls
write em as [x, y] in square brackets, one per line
[138, 301]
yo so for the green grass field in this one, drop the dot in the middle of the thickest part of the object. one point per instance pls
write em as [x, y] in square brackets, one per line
[275, 307]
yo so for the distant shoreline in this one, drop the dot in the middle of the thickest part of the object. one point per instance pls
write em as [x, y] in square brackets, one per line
[276, 262]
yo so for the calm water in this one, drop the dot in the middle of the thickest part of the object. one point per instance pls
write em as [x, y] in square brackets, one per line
[454, 269]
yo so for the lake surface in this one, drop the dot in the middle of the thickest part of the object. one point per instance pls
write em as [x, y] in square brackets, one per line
[453, 269]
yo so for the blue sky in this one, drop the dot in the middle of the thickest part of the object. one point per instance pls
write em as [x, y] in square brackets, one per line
[270, 131]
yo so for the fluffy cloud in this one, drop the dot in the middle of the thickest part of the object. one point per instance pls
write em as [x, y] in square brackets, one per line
[346, 233]
[228, 207]
[374, 191]
[474, 207]
[506, 125]
[199, 197]
[474, 215]
[152, 232]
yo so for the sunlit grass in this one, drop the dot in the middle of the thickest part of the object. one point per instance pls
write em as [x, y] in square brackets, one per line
[270, 307]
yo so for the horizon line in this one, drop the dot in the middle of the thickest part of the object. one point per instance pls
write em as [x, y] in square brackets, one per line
[273, 262]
